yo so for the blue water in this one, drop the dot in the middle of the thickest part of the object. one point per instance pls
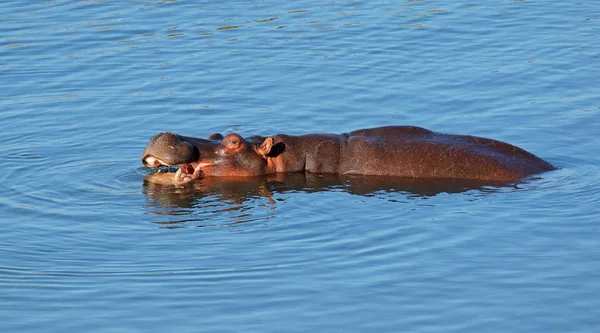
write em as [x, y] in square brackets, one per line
[90, 243]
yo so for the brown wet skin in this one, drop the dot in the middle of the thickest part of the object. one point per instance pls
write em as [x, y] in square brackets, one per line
[403, 151]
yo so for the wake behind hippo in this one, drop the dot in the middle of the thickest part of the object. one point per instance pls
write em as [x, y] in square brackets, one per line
[403, 151]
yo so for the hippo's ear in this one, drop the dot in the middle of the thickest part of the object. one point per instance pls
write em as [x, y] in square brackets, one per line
[265, 147]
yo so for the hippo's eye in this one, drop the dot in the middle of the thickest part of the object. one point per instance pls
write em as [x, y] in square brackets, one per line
[232, 141]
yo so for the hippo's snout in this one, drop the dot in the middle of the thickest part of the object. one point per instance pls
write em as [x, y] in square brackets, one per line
[169, 149]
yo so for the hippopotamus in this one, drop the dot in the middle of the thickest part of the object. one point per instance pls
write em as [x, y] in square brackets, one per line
[402, 151]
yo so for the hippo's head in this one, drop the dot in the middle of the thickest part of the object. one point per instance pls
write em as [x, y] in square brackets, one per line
[229, 156]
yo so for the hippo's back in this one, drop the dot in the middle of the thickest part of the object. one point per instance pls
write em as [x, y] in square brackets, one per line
[409, 151]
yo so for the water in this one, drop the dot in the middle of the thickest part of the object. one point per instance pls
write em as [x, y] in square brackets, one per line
[89, 245]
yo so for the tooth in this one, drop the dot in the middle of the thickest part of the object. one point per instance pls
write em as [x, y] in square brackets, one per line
[177, 176]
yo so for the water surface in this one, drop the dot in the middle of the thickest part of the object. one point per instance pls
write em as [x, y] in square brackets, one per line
[89, 244]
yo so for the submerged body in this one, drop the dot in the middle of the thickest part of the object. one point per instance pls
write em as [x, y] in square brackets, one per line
[402, 151]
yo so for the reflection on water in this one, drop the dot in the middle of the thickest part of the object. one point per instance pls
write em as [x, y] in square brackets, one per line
[85, 84]
[236, 198]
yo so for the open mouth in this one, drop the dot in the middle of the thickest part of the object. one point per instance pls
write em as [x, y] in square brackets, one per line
[185, 173]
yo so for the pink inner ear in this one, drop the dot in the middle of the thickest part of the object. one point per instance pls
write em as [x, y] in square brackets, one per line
[265, 147]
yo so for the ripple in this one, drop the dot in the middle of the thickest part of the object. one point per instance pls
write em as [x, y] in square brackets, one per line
[81, 225]
[230, 27]
[578, 177]
[212, 273]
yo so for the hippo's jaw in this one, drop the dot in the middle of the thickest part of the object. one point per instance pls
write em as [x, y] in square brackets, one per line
[189, 172]
[186, 173]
